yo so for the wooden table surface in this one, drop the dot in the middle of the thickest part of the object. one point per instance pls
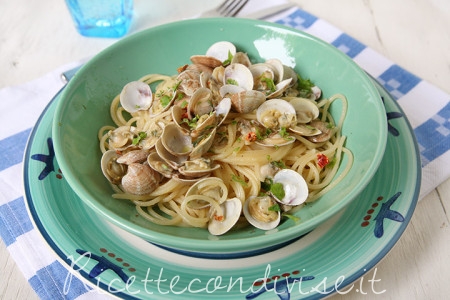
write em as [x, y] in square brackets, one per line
[36, 37]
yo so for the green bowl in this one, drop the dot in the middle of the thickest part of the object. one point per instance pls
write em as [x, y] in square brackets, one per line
[84, 108]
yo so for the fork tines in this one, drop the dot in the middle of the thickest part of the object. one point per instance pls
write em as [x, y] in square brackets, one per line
[230, 8]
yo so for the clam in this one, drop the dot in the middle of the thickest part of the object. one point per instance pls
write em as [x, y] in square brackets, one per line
[189, 81]
[163, 100]
[206, 123]
[241, 58]
[160, 165]
[247, 101]
[231, 208]
[133, 156]
[262, 72]
[216, 54]
[197, 168]
[136, 95]
[238, 74]
[179, 115]
[326, 131]
[203, 144]
[221, 50]
[316, 91]
[140, 179]
[201, 102]
[288, 72]
[259, 212]
[294, 186]
[305, 130]
[151, 136]
[268, 78]
[305, 109]
[121, 138]
[174, 161]
[176, 140]
[280, 88]
[112, 170]
[276, 114]
[276, 140]
[217, 74]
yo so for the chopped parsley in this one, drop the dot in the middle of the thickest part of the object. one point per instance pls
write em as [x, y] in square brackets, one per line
[277, 190]
[228, 60]
[184, 104]
[239, 180]
[270, 84]
[142, 135]
[292, 217]
[165, 100]
[284, 134]
[232, 81]
[192, 123]
[274, 207]
[304, 86]
[279, 164]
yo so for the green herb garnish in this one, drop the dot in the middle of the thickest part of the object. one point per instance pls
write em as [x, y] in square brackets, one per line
[142, 135]
[269, 83]
[239, 180]
[228, 60]
[277, 190]
[292, 217]
[274, 207]
[304, 86]
[232, 81]
[165, 100]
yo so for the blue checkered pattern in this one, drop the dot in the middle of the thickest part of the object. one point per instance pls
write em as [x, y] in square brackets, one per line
[299, 19]
[433, 136]
[398, 81]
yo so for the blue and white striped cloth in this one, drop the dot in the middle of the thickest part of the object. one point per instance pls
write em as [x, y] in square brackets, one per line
[41, 268]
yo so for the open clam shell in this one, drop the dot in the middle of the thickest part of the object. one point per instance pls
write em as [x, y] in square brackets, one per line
[136, 95]
[176, 140]
[276, 113]
[238, 74]
[160, 165]
[231, 212]
[294, 185]
[257, 211]
[175, 161]
[112, 170]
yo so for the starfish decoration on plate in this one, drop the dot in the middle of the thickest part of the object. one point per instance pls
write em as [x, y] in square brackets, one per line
[390, 116]
[386, 213]
[103, 265]
[47, 159]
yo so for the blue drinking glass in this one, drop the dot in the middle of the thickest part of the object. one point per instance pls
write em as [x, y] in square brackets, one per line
[101, 18]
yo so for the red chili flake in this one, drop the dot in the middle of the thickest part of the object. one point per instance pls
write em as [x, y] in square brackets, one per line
[251, 136]
[182, 68]
[184, 115]
[322, 160]
[218, 218]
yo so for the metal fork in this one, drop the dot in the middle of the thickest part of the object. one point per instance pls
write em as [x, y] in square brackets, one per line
[228, 8]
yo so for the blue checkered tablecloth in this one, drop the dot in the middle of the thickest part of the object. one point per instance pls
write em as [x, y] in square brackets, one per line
[46, 275]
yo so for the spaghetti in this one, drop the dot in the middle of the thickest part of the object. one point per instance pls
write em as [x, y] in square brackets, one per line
[241, 157]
